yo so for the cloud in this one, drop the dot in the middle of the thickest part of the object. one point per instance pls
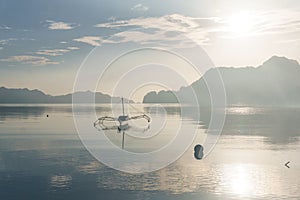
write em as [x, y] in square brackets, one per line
[6, 41]
[53, 25]
[166, 28]
[3, 42]
[4, 27]
[73, 48]
[173, 22]
[203, 30]
[56, 52]
[28, 59]
[140, 8]
[91, 40]
[52, 52]
[38, 58]
[278, 22]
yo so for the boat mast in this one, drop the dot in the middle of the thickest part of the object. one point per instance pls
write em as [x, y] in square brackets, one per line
[123, 138]
[123, 132]
[123, 106]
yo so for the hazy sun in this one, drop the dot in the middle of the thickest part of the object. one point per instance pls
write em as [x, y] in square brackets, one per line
[241, 24]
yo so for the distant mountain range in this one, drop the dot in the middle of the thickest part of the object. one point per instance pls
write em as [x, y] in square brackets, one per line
[275, 82]
[13, 96]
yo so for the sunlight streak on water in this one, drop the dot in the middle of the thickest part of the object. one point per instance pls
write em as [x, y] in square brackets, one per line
[249, 180]
[243, 110]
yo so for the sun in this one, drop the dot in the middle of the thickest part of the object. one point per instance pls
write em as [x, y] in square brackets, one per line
[241, 24]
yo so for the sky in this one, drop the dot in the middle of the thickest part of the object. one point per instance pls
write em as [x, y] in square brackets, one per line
[43, 43]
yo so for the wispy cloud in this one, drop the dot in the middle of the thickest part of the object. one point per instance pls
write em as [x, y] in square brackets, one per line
[4, 27]
[73, 48]
[170, 22]
[165, 28]
[52, 52]
[53, 25]
[139, 8]
[39, 58]
[91, 40]
[6, 41]
[28, 59]
[278, 22]
[56, 52]
[3, 42]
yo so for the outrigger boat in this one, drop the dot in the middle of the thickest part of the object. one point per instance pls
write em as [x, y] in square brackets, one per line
[122, 121]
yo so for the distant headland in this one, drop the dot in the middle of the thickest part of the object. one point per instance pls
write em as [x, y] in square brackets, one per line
[275, 82]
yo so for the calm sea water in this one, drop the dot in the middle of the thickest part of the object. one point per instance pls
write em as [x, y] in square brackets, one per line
[43, 158]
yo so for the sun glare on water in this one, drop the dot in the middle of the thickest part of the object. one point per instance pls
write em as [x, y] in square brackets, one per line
[237, 180]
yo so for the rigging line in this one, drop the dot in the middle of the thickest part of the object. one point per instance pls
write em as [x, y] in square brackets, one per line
[123, 111]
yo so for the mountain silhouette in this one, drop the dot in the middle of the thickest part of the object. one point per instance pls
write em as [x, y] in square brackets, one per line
[13, 96]
[275, 82]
